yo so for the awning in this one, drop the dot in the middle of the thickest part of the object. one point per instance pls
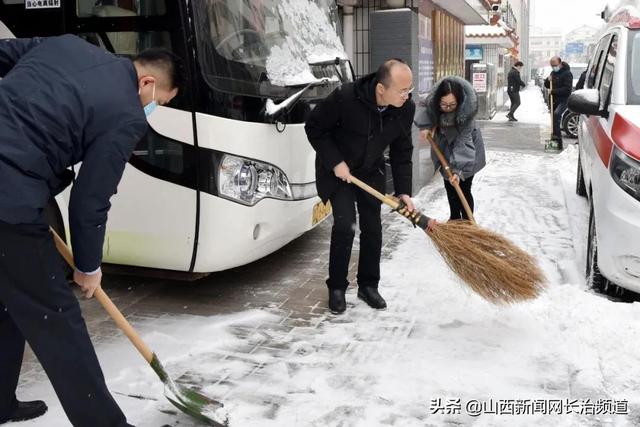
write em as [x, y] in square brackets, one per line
[487, 34]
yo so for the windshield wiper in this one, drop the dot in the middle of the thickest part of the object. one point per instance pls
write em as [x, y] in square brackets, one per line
[273, 110]
[335, 63]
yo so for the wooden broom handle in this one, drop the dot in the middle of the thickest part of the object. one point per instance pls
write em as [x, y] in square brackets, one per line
[107, 304]
[375, 193]
[447, 169]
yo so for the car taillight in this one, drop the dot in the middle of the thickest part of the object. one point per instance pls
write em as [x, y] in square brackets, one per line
[625, 171]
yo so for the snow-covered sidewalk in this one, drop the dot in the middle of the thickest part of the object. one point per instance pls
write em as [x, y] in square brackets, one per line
[437, 354]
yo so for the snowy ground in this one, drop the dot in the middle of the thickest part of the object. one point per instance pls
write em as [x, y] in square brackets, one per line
[436, 350]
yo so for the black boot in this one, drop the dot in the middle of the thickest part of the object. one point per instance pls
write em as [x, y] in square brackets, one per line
[26, 411]
[337, 303]
[371, 296]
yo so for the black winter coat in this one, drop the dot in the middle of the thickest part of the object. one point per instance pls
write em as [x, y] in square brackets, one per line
[65, 101]
[347, 126]
[562, 82]
[514, 81]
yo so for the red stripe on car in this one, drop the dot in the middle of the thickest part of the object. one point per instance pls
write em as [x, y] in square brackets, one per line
[626, 136]
[604, 144]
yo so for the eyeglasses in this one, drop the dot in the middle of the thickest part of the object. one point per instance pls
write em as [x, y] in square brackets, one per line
[404, 93]
[446, 106]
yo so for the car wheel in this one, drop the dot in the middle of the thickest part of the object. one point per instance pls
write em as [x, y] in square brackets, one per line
[581, 188]
[594, 278]
[570, 123]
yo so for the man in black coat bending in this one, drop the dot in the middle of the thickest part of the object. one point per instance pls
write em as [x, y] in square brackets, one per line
[63, 101]
[514, 84]
[350, 130]
[562, 81]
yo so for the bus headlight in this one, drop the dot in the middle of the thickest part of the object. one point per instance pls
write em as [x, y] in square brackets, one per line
[249, 181]
[625, 171]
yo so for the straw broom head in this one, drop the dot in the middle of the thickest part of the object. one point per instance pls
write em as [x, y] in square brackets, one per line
[491, 265]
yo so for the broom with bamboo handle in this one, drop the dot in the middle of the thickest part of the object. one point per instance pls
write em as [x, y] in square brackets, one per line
[447, 168]
[489, 264]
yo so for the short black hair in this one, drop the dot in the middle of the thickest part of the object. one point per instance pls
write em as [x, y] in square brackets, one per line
[166, 61]
[518, 64]
[383, 75]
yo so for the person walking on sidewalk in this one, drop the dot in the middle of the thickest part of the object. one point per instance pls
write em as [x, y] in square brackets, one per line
[350, 130]
[562, 81]
[514, 84]
[448, 116]
[64, 101]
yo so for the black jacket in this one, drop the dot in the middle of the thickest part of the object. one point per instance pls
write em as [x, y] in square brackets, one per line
[65, 101]
[514, 81]
[347, 126]
[562, 82]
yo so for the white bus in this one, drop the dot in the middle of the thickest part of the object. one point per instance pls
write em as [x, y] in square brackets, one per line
[225, 175]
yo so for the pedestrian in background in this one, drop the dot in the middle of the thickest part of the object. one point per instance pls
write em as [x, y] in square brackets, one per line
[514, 84]
[64, 101]
[561, 80]
[448, 114]
[350, 130]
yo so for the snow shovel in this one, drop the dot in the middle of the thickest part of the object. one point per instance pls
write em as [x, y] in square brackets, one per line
[189, 401]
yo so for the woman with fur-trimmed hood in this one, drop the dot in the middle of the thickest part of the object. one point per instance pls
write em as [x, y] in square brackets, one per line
[449, 113]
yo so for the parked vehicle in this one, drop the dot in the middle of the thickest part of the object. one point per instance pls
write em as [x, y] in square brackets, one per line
[225, 176]
[609, 156]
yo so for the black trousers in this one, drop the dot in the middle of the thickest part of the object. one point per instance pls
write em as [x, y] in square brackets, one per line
[515, 102]
[344, 201]
[36, 303]
[558, 110]
[455, 205]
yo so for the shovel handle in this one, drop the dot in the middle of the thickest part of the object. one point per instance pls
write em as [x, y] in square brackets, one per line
[107, 304]
[447, 169]
[551, 103]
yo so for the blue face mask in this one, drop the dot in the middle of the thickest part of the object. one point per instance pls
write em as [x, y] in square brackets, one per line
[150, 107]
[556, 68]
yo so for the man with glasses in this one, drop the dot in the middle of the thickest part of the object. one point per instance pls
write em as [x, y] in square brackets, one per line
[350, 130]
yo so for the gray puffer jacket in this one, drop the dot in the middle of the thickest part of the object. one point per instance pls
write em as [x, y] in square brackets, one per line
[462, 143]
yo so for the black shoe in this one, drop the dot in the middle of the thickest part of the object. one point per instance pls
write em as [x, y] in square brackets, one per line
[512, 119]
[372, 297]
[26, 411]
[337, 303]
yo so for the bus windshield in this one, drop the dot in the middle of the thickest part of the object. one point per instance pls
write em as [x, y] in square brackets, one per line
[258, 47]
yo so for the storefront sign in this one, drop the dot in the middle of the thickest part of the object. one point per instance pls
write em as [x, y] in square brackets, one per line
[473, 53]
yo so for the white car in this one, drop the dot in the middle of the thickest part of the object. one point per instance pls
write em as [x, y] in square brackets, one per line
[609, 159]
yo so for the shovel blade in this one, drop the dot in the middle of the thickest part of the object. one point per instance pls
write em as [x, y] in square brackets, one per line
[191, 402]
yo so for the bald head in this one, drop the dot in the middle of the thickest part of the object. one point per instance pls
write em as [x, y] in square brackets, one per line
[555, 61]
[394, 83]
